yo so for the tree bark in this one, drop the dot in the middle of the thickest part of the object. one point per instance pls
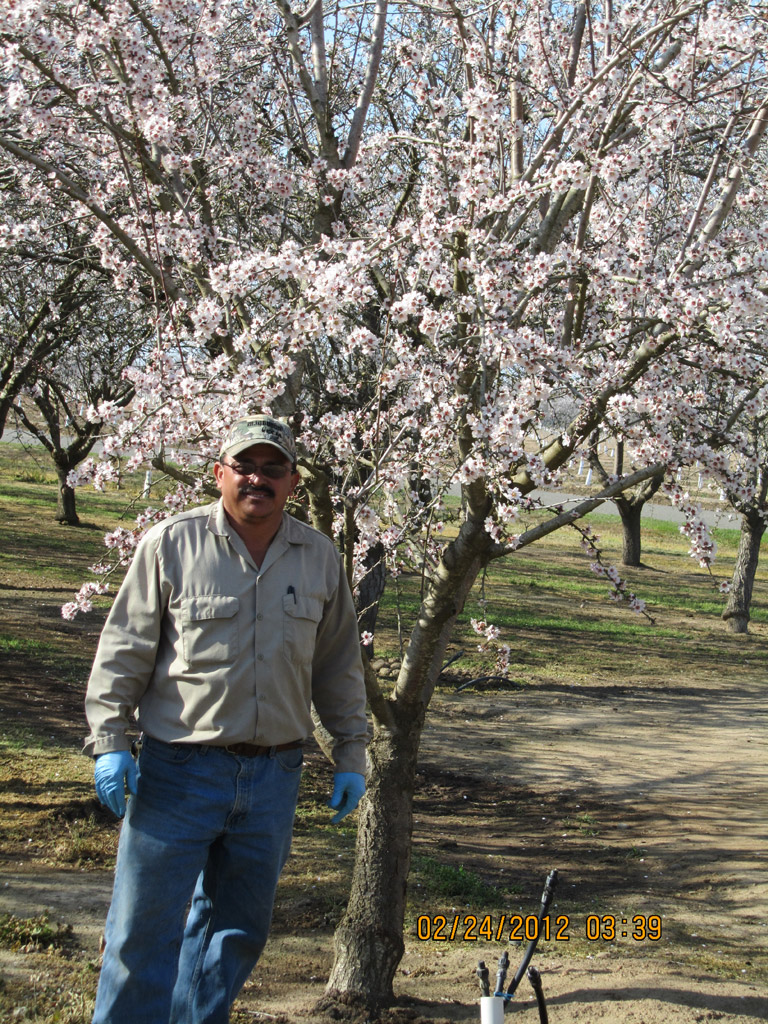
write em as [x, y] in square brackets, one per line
[369, 941]
[66, 502]
[736, 612]
[631, 515]
[630, 507]
[370, 590]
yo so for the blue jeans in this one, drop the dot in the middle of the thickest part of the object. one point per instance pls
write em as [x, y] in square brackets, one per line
[207, 825]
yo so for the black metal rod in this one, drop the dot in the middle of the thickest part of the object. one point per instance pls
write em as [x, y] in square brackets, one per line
[501, 976]
[535, 979]
[483, 974]
[546, 899]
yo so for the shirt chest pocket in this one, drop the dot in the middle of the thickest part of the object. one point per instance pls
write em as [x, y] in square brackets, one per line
[301, 616]
[209, 629]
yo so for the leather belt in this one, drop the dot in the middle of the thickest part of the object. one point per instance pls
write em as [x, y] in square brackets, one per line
[254, 750]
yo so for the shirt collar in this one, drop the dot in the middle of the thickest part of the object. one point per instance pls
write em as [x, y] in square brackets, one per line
[290, 530]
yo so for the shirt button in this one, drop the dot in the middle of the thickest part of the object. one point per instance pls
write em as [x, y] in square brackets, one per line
[260, 657]
[260, 616]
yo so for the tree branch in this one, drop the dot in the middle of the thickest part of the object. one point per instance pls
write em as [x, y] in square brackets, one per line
[756, 132]
[73, 190]
[579, 511]
[366, 93]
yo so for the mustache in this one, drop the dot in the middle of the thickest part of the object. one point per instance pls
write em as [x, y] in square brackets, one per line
[257, 489]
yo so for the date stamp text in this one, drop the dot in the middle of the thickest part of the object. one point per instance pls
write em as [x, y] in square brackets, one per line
[522, 928]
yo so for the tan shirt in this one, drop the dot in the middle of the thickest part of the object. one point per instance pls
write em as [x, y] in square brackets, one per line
[207, 647]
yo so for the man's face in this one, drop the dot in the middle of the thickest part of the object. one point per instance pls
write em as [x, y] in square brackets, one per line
[254, 498]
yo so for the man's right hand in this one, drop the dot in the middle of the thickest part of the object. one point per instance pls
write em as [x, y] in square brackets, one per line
[113, 773]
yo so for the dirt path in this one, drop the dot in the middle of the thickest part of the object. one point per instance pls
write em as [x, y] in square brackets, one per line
[672, 783]
[680, 773]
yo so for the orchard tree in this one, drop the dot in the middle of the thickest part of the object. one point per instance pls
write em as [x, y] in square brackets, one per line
[410, 229]
[64, 406]
[743, 479]
[24, 346]
[724, 413]
[66, 335]
[40, 287]
[753, 522]
[630, 502]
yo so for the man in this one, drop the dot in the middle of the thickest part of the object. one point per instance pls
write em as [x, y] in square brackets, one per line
[232, 618]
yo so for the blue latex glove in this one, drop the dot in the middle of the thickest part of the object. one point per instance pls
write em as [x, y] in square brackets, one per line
[348, 788]
[114, 771]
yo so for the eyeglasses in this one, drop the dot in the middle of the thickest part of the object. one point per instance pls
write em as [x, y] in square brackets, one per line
[271, 470]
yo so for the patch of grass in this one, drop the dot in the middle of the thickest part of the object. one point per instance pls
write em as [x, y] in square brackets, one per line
[586, 823]
[49, 809]
[20, 645]
[60, 991]
[83, 842]
[614, 629]
[636, 853]
[29, 480]
[14, 737]
[29, 934]
[440, 881]
[39, 476]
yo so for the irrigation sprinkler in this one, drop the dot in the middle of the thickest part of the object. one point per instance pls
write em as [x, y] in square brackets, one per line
[492, 1006]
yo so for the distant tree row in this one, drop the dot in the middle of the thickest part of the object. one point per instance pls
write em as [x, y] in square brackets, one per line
[67, 335]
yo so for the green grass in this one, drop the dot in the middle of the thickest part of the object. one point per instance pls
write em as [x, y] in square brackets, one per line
[92, 505]
[33, 933]
[558, 618]
[20, 644]
[528, 618]
[549, 605]
[28, 480]
[432, 880]
[15, 738]
[586, 823]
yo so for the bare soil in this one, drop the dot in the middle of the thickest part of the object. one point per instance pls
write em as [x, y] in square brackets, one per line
[649, 796]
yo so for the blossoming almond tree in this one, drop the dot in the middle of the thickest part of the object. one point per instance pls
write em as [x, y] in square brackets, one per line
[65, 338]
[743, 483]
[410, 229]
[40, 291]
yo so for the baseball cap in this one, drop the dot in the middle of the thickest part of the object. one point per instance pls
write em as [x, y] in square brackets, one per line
[259, 429]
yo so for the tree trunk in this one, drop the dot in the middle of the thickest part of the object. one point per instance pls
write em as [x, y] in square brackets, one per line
[736, 612]
[632, 545]
[66, 507]
[370, 590]
[369, 940]
[631, 512]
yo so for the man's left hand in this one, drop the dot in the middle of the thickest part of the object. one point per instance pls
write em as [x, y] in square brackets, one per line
[348, 788]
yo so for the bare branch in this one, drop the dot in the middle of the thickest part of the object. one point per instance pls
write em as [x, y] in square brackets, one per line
[580, 510]
[366, 93]
[756, 132]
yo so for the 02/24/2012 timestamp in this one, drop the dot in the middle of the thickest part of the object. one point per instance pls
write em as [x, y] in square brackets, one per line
[519, 928]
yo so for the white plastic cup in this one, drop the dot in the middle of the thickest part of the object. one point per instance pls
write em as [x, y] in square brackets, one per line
[491, 1010]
